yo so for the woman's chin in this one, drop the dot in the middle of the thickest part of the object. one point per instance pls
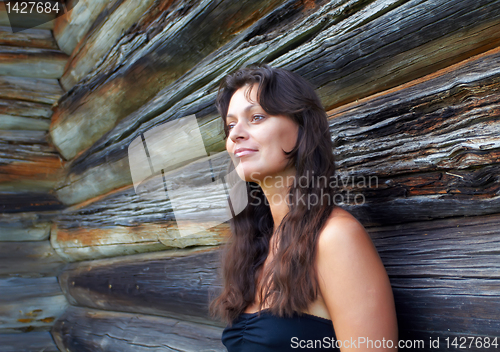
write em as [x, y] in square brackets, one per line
[246, 177]
[247, 174]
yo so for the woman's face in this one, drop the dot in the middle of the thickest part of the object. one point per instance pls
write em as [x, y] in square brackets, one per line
[256, 140]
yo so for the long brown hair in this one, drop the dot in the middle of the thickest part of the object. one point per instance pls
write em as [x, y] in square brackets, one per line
[289, 282]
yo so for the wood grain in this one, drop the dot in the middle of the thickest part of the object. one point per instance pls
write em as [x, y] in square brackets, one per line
[126, 221]
[28, 162]
[32, 304]
[378, 20]
[80, 243]
[25, 108]
[29, 259]
[172, 286]
[24, 227]
[32, 341]
[33, 38]
[71, 28]
[39, 90]
[94, 330]
[21, 199]
[23, 115]
[116, 19]
[31, 62]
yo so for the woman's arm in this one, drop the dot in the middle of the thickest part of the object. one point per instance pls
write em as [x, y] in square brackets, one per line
[355, 287]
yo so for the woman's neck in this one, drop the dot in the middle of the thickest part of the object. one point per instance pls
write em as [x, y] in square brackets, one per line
[276, 189]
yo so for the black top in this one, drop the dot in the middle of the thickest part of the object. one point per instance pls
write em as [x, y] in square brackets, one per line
[269, 333]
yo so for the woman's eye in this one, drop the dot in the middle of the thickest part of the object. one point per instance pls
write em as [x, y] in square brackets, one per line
[255, 118]
[258, 118]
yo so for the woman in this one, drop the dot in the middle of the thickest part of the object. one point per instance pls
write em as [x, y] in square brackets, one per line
[298, 271]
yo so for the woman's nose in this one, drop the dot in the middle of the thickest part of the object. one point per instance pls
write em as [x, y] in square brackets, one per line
[238, 131]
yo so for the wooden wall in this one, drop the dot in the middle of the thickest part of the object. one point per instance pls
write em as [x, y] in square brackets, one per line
[31, 299]
[411, 88]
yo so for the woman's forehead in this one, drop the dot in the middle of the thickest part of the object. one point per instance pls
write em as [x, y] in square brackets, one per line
[243, 95]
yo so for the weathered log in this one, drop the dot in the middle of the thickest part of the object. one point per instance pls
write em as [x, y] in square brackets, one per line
[83, 329]
[34, 38]
[415, 196]
[416, 39]
[23, 227]
[17, 201]
[25, 108]
[9, 122]
[28, 162]
[31, 62]
[36, 20]
[130, 222]
[155, 64]
[32, 341]
[30, 304]
[76, 244]
[74, 25]
[124, 222]
[117, 18]
[40, 90]
[22, 115]
[421, 208]
[440, 122]
[450, 248]
[154, 283]
[28, 288]
[444, 273]
[29, 259]
[433, 304]
[450, 289]
[160, 17]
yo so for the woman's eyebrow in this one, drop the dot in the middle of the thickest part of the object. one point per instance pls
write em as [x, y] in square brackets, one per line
[249, 107]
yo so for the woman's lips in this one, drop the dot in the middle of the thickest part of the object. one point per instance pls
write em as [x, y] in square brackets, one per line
[243, 152]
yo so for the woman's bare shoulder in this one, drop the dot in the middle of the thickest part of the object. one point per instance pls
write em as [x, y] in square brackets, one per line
[339, 214]
[353, 282]
[342, 226]
[344, 240]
